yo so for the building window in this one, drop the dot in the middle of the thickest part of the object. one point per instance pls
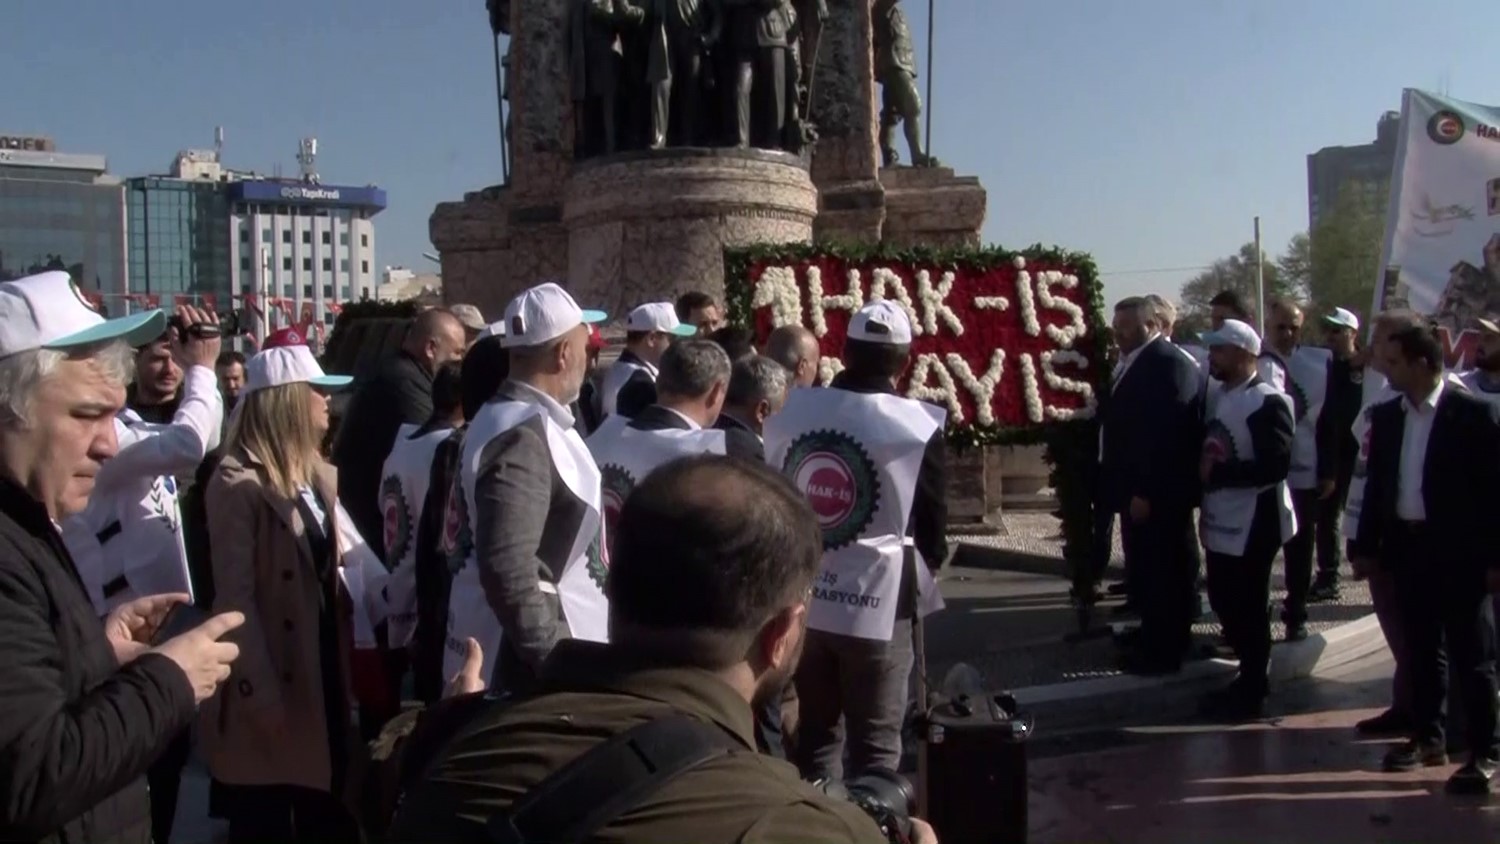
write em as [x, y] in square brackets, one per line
[328, 265]
[307, 264]
[364, 240]
[286, 264]
[364, 267]
[244, 235]
[286, 235]
[343, 265]
[327, 239]
[287, 290]
[245, 263]
[347, 292]
[328, 318]
[343, 238]
[265, 235]
[307, 291]
[327, 291]
[307, 237]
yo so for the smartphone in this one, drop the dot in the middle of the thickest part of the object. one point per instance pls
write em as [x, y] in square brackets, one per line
[180, 619]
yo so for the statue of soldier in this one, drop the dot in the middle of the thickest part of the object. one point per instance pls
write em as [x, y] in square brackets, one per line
[800, 131]
[594, 68]
[896, 71]
[760, 35]
[679, 32]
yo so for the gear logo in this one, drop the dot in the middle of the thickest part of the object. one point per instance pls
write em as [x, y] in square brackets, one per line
[1445, 128]
[395, 519]
[615, 486]
[457, 541]
[840, 482]
[1218, 443]
[1299, 399]
[597, 561]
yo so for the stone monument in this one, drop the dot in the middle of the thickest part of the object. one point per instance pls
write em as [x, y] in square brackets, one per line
[645, 136]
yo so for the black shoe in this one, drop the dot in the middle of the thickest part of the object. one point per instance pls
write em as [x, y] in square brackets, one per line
[1117, 589]
[1477, 777]
[1415, 754]
[1238, 701]
[1296, 632]
[1324, 590]
[1387, 723]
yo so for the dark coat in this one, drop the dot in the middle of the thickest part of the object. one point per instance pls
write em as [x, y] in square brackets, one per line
[401, 394]
[1152, 432]
[739, 440]
[78, 730]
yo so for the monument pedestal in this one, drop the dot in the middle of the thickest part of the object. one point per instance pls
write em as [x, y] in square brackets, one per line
[492, 249]
[930, 206]
[651, 225]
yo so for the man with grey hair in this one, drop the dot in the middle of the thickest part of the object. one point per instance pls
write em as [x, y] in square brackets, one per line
[85, 707]
[1164, 316]
[691, 382]
[795, 348]
[757, 390]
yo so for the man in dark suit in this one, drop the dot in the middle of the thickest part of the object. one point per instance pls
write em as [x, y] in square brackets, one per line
[1428, 517]
[757, 390]
[1148, 475]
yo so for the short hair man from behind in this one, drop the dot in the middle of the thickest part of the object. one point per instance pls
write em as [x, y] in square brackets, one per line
[694, 379]
[795, 347]
[757, 391]
[708, 588]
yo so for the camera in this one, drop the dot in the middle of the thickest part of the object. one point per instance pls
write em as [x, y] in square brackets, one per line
[232, 324]
[886, 796]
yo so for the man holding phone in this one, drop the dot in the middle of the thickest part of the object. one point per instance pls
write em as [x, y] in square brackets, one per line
[85, 707]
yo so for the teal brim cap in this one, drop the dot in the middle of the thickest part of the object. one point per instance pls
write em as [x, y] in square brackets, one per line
[136, 330]
[331, 382]
[683, 330]
[594, 317]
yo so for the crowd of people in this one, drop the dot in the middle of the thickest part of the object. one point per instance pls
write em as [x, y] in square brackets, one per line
[655, 600]
[1310, 452]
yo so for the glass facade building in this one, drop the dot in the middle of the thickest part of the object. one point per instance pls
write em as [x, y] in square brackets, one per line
[61, 212]
[179, 237]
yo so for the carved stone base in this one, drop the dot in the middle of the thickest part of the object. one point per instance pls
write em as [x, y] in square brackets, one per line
[930, 206]
[646, 226]
[973, 487]
[491, 249]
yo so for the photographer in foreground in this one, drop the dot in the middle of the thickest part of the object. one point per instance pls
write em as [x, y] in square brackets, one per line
[708, 586]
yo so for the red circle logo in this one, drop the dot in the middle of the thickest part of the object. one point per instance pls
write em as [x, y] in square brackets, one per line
[828, 483]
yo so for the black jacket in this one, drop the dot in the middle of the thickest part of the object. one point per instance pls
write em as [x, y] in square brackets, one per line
[400, 394]
[1337, 449]
[739, 440]
[434, 571]
[638, 392]
[928, 527]
[77, 730]
[1460, 479]
[1152, 431]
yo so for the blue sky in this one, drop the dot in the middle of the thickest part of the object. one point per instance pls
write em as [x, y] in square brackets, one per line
[1149, 133]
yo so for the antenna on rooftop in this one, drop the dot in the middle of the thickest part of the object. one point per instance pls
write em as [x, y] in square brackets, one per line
[307, 157]
[218, 143]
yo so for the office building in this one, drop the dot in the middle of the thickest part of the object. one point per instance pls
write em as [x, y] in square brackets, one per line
[1365, 167]
[61, 211]
[179, 231]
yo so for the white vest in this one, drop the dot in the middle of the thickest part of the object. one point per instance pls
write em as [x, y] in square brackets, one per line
[860, 478]
[614, 378]
[128, 540]
[626, 455]
[403, 491]
[1307, 384]
[1227, 512]
[580, 588]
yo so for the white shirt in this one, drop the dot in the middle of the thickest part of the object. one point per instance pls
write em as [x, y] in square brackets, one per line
[1414, 436]
[1124, 365]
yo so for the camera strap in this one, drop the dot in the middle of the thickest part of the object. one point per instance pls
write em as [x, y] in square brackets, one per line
[607, 781]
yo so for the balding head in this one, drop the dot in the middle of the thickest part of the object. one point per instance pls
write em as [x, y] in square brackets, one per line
[436, 337]
[710, 566]
[795, 348]
[1284, 326]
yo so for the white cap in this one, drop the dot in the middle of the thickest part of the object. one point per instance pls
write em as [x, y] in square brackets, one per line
[658, 316]
[1234, 333]
[469, 315]
[543, 314]
[48, 311]
[881, 322]
[288, 365]
[1343, 318]
[494, 329]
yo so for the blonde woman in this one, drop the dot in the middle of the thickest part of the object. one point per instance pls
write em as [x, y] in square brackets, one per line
[278, 736]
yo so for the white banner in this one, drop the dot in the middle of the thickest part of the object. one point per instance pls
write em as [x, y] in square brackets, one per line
[1442, 243]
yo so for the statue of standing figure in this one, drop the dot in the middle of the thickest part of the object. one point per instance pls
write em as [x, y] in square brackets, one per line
[896, 71]
[761, 36]
[594, 66]
[681, 34]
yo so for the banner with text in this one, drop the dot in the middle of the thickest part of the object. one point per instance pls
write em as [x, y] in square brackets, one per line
[1442, 243]
[1002, 341]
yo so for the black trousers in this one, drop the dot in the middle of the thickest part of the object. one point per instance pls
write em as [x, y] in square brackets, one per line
[1299, 557]
[1330, 536]
[1239, 590]
[1161, 558]
[287, 814]
[164, 779]
[1448, 620]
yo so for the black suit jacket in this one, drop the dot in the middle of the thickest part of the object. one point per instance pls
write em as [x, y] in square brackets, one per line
[638, 392]
[1460, 480]
[739, 440]
[658, 418]
[1152, 425]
